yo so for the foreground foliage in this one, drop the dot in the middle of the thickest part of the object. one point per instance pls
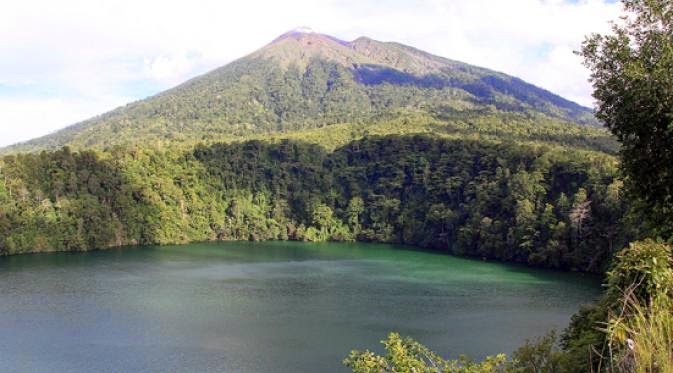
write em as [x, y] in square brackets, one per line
[633, 85]
[643, 336]
[407, 355]
[640, 329]
[638, 285]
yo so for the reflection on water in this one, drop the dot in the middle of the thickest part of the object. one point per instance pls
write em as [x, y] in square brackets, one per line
[278, 306]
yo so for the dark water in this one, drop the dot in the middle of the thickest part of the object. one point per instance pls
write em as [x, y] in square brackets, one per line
[265, 307]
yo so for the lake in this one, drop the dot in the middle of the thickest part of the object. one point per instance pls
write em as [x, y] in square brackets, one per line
[266, 307]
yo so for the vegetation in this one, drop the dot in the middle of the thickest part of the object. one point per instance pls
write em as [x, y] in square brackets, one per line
[487, 125]
[538, 205]
[640, 335]
[641, 277]
[631, 74]
[407, 355]
[643, 336]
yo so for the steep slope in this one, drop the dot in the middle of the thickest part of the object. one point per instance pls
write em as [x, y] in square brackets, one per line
[305, 80]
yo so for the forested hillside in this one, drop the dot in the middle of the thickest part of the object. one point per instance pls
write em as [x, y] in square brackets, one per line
[306, 81]
[533, 204]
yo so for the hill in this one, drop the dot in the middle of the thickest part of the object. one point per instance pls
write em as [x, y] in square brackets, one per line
[305, 80]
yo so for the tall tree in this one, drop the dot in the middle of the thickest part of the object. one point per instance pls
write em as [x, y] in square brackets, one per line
[632, 75]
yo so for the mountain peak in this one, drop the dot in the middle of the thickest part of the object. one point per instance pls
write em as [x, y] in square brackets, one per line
[302, 30]
[297, 32]
[301, 45]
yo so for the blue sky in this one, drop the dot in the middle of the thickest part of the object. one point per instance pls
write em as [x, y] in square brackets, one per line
[65, 61]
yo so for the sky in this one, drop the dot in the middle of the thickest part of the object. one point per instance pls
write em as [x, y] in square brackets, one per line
[65, 61]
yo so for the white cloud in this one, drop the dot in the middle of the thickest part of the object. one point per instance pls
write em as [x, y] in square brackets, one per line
[73, 58]
[168, 69]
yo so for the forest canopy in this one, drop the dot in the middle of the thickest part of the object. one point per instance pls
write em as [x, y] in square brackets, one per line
[538, 205]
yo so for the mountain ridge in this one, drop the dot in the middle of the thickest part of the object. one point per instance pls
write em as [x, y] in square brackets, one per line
[304, 79]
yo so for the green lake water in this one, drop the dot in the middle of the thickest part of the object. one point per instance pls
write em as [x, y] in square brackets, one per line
[266, 307]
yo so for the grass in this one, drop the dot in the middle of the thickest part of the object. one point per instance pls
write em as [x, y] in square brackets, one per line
[643, 336]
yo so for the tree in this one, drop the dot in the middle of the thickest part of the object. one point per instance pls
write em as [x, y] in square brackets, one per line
[322, 216]
[540, 355]
[581, 210]
[631, 72]
[356, 207]
[3, 184]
